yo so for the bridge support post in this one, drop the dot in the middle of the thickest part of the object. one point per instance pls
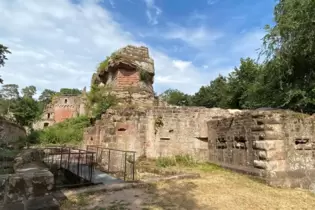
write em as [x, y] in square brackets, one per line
[108, 160]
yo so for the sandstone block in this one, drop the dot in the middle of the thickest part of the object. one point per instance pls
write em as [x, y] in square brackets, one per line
[260, 164]
[268, 145]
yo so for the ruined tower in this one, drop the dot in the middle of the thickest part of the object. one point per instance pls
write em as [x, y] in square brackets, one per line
[129, 73]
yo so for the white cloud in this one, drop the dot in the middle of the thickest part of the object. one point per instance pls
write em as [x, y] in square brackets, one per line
[198, 37]
[152, 12]
[58, 44]
[182, 65]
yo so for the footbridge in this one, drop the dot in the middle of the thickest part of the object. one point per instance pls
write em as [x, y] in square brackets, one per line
[94, 165]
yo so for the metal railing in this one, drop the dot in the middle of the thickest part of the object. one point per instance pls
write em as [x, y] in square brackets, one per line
[77, 161]
[119, 163]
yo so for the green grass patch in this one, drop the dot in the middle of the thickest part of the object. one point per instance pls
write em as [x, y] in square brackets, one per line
[186, 161]
[177, 160]
[69, 131]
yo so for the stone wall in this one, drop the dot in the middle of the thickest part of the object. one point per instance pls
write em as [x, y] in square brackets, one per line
[157, 131]
[277, 146]
[10, 133]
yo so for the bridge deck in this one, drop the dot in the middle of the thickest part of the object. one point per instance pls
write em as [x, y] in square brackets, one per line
[98, 177]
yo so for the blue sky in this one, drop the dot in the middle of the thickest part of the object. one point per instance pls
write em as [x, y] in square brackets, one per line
[59, 43]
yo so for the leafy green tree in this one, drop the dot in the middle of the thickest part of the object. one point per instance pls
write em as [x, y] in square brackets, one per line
[240, 83]
[29, 91]
[46, 96]
[290, 42]
[213, 95]
[9, 93]
[25, 111]
[3, 51]
[69, 91]
[176, 97]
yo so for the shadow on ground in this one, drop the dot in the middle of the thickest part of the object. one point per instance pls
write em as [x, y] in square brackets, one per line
[164, 195]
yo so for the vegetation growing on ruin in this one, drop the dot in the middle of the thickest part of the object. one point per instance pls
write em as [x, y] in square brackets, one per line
[145, 76]
[99, 100]
[158, 123]
[104, 64]
[69, 131]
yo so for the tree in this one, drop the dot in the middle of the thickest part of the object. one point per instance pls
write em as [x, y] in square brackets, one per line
[29, 91]
[10, 93]
[25, 111]
[176, 97]
[46, 96]
[69, 91]
[240, 83]
[213, 95]
[290, 42]
[3, 51]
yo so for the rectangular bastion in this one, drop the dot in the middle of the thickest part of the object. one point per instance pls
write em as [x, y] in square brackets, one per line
[277, 146]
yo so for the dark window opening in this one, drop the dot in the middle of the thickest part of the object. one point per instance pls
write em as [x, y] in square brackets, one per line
[46, 125]
[48, 116]
[301, 141]
[91, 138]
[66, 101]
[122, 129]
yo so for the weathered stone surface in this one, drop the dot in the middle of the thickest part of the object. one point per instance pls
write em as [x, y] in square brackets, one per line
[278, 142]
[27, 156]
[42, 203]
[10, 133]
[31, 179]
[156, 131]
[129, 75]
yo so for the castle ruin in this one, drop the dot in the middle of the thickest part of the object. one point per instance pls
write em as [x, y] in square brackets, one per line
[277, 146]
[61, 108]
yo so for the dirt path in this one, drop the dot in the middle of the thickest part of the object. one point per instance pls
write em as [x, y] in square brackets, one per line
[214, 190]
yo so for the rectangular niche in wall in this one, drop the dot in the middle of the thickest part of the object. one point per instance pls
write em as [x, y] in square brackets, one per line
[165, 138]
[221, 143]
[239, 142]
[303, 144]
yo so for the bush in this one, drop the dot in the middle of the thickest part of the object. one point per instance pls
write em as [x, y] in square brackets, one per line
[99, 100]
[69, 131]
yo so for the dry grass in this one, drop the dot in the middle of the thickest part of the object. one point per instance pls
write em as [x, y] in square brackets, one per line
[216, 189]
